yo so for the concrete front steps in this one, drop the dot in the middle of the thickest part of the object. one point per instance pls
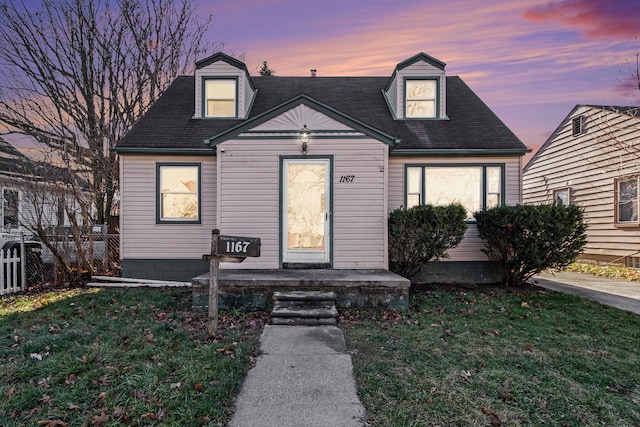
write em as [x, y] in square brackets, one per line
[252, 290]
[308, 308]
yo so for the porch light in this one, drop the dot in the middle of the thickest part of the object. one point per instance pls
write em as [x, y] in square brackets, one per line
[304, 138]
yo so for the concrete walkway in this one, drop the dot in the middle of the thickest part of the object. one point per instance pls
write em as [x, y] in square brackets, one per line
[304, 377]
[620, 294]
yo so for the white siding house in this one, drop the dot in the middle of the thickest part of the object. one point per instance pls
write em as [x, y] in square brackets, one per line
[593, 160]
[239, 162]
[29, 193]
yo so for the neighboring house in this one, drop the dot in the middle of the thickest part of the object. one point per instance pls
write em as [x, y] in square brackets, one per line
[26, 195]
[593, 160]
[310, 165]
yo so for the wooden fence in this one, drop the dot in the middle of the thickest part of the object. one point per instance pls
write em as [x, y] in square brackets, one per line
[12, 275]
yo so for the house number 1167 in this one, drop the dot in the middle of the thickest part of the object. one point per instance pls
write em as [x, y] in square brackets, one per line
[237, 247]
[347, 178]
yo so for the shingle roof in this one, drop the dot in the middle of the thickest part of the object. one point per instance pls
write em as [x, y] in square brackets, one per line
[169, 124]
[13, 162]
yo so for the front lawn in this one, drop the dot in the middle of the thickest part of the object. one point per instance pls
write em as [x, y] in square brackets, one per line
[458, 357]
[497, 357]
[86, 357]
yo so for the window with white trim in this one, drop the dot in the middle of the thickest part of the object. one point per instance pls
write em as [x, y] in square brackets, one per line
[178, 196]
[476, 187]
[626, 200]
[421, 98]
[220, 97]
[562, 196]
[11, 200]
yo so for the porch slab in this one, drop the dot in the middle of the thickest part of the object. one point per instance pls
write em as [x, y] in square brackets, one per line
[253, 289]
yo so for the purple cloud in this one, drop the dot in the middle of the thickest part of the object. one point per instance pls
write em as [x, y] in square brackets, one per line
[597, 19]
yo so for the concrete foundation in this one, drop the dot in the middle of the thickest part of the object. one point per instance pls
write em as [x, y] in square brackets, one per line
[253, 289]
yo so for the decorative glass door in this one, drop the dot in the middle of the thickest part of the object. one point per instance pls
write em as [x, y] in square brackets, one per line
[305, 210]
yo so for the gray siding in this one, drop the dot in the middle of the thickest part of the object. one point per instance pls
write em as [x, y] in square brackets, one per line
[588, 165]
[249, 171]
[140, 236]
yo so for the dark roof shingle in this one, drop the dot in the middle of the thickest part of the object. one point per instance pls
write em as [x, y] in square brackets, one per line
[169, 124]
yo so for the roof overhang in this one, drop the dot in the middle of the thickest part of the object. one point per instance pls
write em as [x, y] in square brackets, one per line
[449, 152]
[171, 151]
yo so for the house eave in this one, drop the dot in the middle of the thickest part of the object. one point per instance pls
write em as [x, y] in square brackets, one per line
[459, 152]
[171, 151]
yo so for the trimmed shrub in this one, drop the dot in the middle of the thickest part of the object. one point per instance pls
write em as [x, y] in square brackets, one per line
[526, 239]
[422, 233]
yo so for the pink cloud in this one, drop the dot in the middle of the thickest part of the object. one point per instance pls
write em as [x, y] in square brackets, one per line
[629, 87]
[596, 19]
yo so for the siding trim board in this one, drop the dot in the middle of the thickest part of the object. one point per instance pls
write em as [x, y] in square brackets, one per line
[457, 152]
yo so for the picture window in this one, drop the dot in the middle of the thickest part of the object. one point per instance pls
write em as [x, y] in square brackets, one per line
[475, 187]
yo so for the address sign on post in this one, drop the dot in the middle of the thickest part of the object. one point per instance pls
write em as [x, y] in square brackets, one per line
[236, 246]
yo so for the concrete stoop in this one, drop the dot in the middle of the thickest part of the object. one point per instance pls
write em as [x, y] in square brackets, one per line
[304, 308]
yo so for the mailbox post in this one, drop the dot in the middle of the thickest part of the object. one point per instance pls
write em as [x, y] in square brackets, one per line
[225, 248]
[214, 266]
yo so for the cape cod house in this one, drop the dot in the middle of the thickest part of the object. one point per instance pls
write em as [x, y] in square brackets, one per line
[310, 165]
[593, 160]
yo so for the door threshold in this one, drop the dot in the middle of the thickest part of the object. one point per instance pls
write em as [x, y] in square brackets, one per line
[306, 266]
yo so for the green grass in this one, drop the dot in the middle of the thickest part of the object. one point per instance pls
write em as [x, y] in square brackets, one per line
[118, 357]
[497, 357]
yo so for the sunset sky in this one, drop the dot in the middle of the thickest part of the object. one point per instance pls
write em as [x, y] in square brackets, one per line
[531, 61]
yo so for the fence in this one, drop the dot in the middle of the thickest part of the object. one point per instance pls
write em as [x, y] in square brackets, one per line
[102, 251]
[12, 278]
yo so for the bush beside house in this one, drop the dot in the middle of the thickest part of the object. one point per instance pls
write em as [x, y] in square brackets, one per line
[524, 240]
[422, 233]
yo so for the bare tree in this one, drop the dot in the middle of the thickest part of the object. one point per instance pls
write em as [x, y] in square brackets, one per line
[76, 75]
[633, 80]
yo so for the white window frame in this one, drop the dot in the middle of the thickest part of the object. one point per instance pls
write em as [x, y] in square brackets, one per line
[633, 222]
[435, 99]
[557, 198]
[207, 97]
[161, 216]
[414, 190]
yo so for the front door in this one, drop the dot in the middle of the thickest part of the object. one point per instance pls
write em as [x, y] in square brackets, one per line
[306, 189]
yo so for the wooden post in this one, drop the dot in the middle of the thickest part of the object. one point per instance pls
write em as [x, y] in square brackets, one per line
[214, 265]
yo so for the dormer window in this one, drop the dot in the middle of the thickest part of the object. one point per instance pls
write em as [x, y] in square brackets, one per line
[220, 97]
[421, 98]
